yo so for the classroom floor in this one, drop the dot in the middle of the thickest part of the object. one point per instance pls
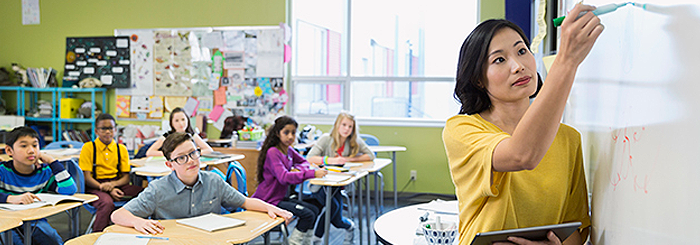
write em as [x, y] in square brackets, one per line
[62, 224]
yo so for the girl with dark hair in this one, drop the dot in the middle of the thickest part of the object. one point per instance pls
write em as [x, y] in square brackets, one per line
[279, 166]
[513, 163]
[179, 122]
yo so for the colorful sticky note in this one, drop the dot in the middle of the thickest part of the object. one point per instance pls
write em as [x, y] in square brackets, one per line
[216, 112]
[220, 96]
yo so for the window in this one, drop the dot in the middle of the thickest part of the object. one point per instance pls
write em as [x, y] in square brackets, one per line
[384, 60]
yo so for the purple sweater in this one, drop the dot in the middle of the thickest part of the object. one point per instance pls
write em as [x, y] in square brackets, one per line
[277, 175]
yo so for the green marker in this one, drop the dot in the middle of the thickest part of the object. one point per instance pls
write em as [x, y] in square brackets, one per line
[598, 11]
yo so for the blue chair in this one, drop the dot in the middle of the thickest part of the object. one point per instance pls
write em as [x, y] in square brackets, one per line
[63, 144]
[142, 150]
[370, 139]
[236, 168]
[77, 174]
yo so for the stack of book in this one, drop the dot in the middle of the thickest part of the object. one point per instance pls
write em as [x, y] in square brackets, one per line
[249, 144]
[41, 77]
[45, 109]
[76, 135]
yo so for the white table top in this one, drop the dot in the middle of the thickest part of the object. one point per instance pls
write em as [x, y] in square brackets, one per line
[399, 225]
[386, 148]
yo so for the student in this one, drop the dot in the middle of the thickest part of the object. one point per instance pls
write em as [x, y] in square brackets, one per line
[179, 122]
[496, 146]
[279, 166]
[340, 146]
[105, 165]
[169, 197]
[24, 175]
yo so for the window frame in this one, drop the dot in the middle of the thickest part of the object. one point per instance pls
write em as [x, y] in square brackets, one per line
[346, 82]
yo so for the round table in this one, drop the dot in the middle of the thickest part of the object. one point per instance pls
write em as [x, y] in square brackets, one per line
[399, 225]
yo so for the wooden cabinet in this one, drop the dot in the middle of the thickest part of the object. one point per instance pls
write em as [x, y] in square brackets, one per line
[250, 163]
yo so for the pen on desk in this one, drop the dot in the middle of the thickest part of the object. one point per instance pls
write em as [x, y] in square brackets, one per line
[153, 237]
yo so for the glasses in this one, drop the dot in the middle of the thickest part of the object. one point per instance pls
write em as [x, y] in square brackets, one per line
[106, 128]
[184, 158]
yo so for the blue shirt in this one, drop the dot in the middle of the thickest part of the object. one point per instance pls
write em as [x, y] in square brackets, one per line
[169, 198]
[48, 178]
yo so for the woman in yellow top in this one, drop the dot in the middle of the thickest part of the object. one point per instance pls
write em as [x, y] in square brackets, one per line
[513, 163]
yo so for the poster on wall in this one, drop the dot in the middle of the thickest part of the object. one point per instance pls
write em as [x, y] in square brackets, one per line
[141, 52]
[104, 58]
[176, 64]
[172, 63]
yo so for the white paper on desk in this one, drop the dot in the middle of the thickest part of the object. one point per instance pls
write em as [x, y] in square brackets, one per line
[211, 222]
[441, 206]
[151, 169]
[121, 238]
[63, 152]
[335, 177]
[352, 164]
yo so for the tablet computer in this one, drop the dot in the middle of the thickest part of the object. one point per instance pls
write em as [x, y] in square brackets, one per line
[537, 233]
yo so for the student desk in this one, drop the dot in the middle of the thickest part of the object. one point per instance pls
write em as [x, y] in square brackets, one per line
[46, 211]
[372, 167]
[257, 223]
[91, 238]
[328, 184]
[250, 163]
[159, 164]
[399, 225]
[5, 157]
[393, 150]
[6, 224]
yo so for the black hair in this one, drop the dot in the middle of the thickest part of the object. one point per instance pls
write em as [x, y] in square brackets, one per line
[20, 132]
[188, 129]
[469, 89]
[273, 139]
[104, 116]
[173, 141]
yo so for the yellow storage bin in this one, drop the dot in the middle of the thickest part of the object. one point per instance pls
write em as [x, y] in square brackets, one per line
[70, 106]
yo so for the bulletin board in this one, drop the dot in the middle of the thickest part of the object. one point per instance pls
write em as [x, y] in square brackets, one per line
[104, 58]
[210, 71]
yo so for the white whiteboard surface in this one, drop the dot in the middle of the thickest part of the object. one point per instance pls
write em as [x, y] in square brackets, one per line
[636, 102]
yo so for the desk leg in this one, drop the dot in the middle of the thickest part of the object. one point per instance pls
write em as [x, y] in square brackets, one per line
[359, 208]
[7, 236]
[75, 222]
[283, 227]
[393, 162]
[327, 223]
[369, 226]
[27, 233]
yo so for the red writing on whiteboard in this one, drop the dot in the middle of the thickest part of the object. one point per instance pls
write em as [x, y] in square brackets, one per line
[624, 141]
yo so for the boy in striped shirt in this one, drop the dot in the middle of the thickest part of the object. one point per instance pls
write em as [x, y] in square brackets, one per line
[24, 176]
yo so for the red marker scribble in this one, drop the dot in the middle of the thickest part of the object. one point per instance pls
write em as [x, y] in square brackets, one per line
[623, 166]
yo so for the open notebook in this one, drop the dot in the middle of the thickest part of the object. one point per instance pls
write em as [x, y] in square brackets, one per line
[46, 200]
[211, 222]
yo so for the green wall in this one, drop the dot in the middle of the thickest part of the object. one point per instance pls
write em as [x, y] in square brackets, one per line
[44, 46]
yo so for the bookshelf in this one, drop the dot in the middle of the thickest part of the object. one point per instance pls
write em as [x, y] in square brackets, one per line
[58, 124]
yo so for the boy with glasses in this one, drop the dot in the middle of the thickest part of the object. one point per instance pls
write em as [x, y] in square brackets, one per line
[105, 165]
[186, 192]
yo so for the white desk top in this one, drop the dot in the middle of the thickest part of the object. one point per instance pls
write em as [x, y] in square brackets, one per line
[399, 225]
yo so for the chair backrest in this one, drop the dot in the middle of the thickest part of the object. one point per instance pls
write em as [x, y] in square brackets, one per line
[77, 174]
[370, 139]
[63, 145]
[142, 150]
[236, 168]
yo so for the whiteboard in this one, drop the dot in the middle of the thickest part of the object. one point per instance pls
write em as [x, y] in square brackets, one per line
[636, 102]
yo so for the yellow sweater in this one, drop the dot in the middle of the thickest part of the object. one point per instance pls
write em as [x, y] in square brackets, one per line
[553, 193]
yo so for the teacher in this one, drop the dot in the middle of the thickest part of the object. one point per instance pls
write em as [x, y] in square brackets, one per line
[513, 163]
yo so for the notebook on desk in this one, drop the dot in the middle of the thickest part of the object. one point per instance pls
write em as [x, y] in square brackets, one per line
[46, 200]
[211, 222]
[215, 154]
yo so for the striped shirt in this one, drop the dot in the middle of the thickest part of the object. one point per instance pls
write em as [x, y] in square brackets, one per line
[48, 178]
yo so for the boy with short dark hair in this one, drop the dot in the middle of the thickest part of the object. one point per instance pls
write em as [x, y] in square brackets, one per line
[169, 197]
[105, 165]
[24, 176]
